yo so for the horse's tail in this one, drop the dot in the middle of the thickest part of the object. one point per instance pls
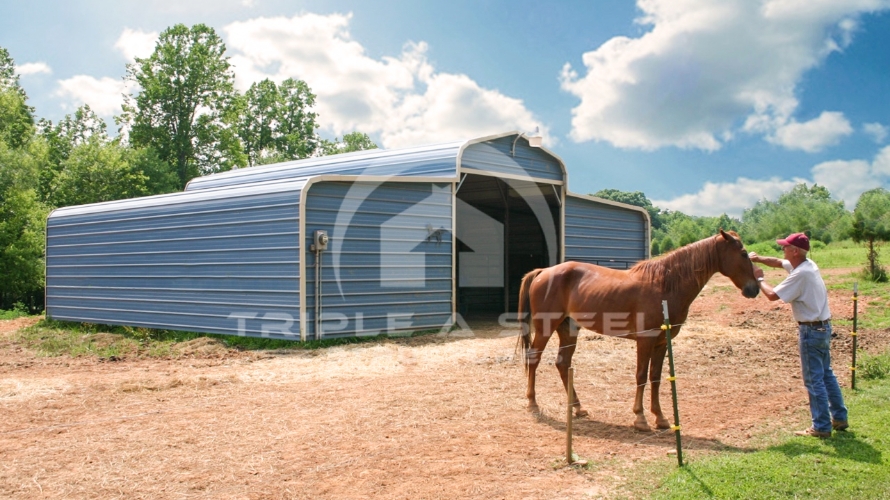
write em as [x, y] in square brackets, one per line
[525, 336]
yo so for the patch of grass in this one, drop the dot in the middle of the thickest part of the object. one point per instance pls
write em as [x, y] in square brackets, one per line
[873, 367]
[18, 310]
[849, 465]
[58, 338]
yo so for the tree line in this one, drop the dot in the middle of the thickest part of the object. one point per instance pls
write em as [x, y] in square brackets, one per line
[803, 209]
[184, 119]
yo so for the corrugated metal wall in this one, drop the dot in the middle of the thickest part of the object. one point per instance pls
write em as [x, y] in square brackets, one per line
[216, 261]
[604, 234]
[389, 265]
[501, 157]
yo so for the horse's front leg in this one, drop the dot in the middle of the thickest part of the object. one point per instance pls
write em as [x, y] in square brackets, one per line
[644, 354]
[568, 339]
[658, 352]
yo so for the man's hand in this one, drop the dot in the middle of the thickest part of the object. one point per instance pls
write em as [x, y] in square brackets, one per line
[758, 272]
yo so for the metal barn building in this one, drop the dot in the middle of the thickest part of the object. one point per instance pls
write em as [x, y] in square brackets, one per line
[352, 244]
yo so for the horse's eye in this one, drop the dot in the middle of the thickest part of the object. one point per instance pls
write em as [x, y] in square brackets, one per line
[744, 253]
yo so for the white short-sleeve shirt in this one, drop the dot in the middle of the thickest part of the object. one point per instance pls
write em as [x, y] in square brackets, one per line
[805, 291]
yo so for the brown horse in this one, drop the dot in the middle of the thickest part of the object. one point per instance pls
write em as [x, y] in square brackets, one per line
[627, 304]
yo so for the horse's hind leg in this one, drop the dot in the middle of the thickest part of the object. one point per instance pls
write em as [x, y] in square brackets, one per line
[542, 330]
[568, 339]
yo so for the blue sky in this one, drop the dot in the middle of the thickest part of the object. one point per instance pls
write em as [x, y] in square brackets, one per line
[706, 106]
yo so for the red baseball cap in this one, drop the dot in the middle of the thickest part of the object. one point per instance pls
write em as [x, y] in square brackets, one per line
[798, 240]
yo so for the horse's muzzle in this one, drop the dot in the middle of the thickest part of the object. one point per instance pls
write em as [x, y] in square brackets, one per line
[751, 290]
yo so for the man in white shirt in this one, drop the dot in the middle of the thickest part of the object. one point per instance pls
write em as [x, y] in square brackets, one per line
[806, 292]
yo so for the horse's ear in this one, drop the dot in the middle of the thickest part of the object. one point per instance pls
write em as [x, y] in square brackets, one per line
[726, 236]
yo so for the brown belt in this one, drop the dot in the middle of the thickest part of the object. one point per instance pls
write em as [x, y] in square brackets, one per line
[815, 323]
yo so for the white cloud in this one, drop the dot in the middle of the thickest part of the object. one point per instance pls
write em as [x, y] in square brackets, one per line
[33, 68]
[730, 198]
[400, 98]
[135, 43]
[814, 135]
[104, 95]
[877, 131]
[703, 67]
[844, 179]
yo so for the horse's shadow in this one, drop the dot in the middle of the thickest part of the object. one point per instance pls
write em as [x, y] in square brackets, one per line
[591, 428]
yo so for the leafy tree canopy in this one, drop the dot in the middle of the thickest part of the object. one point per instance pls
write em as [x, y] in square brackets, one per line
[183, 108]
[353, 141]
[803, 209]
[16, 117]
[871, 224]
[276, 122]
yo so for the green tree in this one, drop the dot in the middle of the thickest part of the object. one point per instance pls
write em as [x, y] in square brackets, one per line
[803, 209]
[159, 177]
[16, 117]
[276, 122]
[61, 138]
[353, 141]
[184, 106]
[97, 171]
[22, 222]
[871, 225]
[635, 198]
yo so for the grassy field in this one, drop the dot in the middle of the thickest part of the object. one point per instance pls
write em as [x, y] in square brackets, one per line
[851, 464]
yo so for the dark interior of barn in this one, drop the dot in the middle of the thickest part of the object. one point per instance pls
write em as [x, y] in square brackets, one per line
[513, 208]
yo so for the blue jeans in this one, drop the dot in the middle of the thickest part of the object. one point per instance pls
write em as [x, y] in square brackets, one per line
[826, 401]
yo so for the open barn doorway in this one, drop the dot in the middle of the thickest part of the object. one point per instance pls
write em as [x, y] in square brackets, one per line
[505, 228]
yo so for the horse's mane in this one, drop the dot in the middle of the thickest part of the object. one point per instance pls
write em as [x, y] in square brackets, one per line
[695, 261]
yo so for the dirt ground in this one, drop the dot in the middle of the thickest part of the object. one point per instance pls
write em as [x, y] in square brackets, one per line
[426, 417]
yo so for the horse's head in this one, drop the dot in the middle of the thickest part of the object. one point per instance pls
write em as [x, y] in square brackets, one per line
[735, 264]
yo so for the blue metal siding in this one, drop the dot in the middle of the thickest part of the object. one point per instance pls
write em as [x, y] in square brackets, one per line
[429, 161]
[382, 270]
[604, 234]
[499, 156]
[212, 261]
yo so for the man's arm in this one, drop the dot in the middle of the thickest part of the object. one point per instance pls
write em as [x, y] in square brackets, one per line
[766, 261]
[765, 287]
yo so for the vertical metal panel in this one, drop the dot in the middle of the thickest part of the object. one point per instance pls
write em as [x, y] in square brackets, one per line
[389, 261]
[500, 156]
[427, 161]
[604, 234]
[217, 261]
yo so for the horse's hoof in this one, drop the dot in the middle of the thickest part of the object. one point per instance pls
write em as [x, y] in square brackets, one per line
[642, 427]
[533, 409]
[662, 424]
[581, 413]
